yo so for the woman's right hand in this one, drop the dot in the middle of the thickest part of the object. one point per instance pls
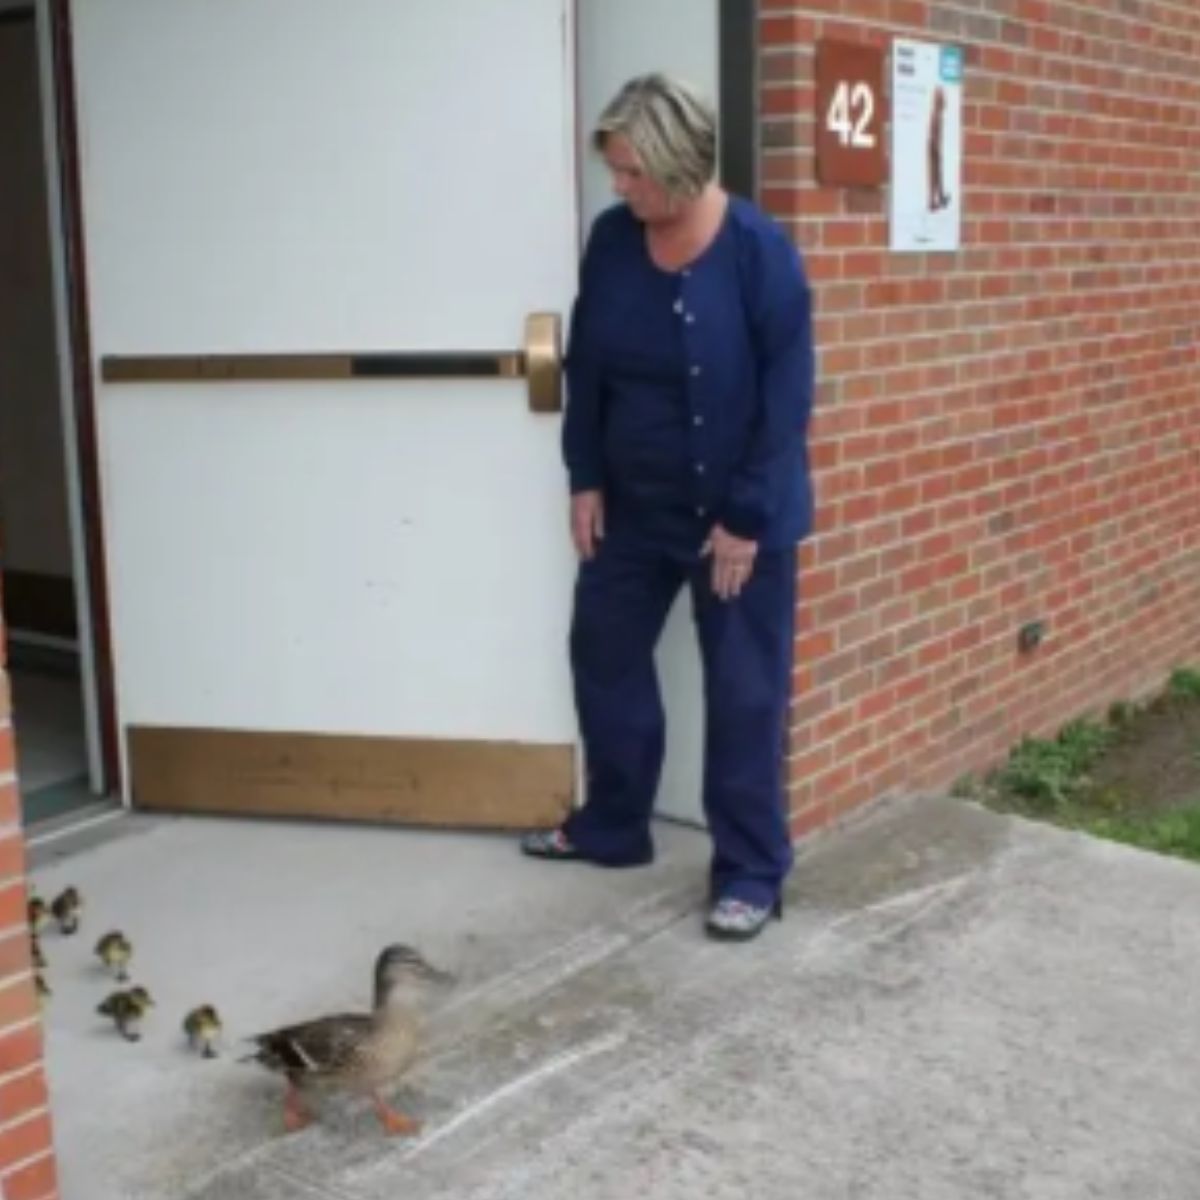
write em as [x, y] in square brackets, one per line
[587, 522]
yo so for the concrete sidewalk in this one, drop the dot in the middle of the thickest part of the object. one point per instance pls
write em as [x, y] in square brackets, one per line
[957, 1006]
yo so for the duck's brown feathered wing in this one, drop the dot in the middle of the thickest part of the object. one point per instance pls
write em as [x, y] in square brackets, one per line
[313, 1047]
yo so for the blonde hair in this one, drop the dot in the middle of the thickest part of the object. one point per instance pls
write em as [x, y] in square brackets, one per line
[672, 128]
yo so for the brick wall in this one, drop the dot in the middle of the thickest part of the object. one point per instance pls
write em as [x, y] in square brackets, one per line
[26, 1156]
[1006, 433]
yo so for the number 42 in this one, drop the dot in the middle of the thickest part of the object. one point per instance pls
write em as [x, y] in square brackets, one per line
[850, 114]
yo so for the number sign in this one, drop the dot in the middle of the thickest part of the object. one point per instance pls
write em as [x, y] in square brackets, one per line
[850, 110]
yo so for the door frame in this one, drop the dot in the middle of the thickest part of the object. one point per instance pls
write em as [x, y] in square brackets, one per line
[51, 20]
[738, 59]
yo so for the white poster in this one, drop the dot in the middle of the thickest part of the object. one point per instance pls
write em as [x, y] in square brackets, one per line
[926, 145]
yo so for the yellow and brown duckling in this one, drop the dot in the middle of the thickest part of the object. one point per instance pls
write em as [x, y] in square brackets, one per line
[358, 1052]
[38, 961]
[203, 1027]
[66, 908]
[127, 1008]
[115, 950]
[35, 951]
[38, 914]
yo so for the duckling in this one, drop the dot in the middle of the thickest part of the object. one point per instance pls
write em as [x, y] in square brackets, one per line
[35, 951]
[127, 1009]
[66, 908]
[37, 913]
[203, 1026]
[114, 951]
[360, 1052]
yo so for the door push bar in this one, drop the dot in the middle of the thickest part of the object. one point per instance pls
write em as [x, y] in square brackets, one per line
[539, 362]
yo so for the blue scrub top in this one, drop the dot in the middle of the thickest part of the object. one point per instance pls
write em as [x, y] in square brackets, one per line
[689, 392]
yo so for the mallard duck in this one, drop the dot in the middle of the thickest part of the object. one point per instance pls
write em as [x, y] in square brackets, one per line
[115, 950]
[203, 1026]
[66, 908]
[38, 914]
[359, 1052]
[127, 1009]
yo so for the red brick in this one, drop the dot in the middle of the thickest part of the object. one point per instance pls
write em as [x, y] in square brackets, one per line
[23, 1093]
[806, 766]
[815, 646]
[876, 704]
[35, 1181]
[912, 13]
[875, 11]
[26, 1139]
[20, 1048]
[14, 953]
[18, 1002]
[842, 234]
[834, 781]
[787, 29]
[13, 898]
[10, 804]
[786, 99]
[811, 705]
[12, 856]
[864, 264]
[809, 819]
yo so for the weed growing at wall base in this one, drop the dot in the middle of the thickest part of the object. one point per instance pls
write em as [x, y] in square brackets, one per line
[1133, 777]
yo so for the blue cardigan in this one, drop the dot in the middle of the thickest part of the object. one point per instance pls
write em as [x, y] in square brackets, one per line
[690, 392]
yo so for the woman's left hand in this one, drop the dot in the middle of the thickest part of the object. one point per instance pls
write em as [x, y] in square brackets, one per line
[733, 561]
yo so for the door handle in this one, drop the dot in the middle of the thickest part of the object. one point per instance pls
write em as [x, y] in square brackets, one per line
[543, 362]
[539, 362]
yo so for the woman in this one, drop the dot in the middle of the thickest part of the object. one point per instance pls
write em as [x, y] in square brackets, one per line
[690, 380]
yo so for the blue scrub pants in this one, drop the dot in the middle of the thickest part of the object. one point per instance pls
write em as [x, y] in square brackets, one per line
[622, 599]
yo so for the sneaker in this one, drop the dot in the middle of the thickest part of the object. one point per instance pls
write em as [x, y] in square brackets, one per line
[549, 843]
[555, 845]
[738, 921]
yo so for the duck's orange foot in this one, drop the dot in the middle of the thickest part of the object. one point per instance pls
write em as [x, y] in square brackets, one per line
[395, 1123]
[295, 1115]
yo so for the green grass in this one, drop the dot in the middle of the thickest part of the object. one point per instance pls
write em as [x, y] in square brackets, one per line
[1176, 832]
[1047, 773]
[1050, 779]
[1185, 684]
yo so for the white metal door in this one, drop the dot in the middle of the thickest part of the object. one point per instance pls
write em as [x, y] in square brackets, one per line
[383, 558]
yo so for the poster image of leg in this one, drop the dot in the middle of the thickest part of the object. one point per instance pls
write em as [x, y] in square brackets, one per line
[937, 132]
[926, 146]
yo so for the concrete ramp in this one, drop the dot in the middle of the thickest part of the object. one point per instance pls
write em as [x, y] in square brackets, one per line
[956, 1006]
